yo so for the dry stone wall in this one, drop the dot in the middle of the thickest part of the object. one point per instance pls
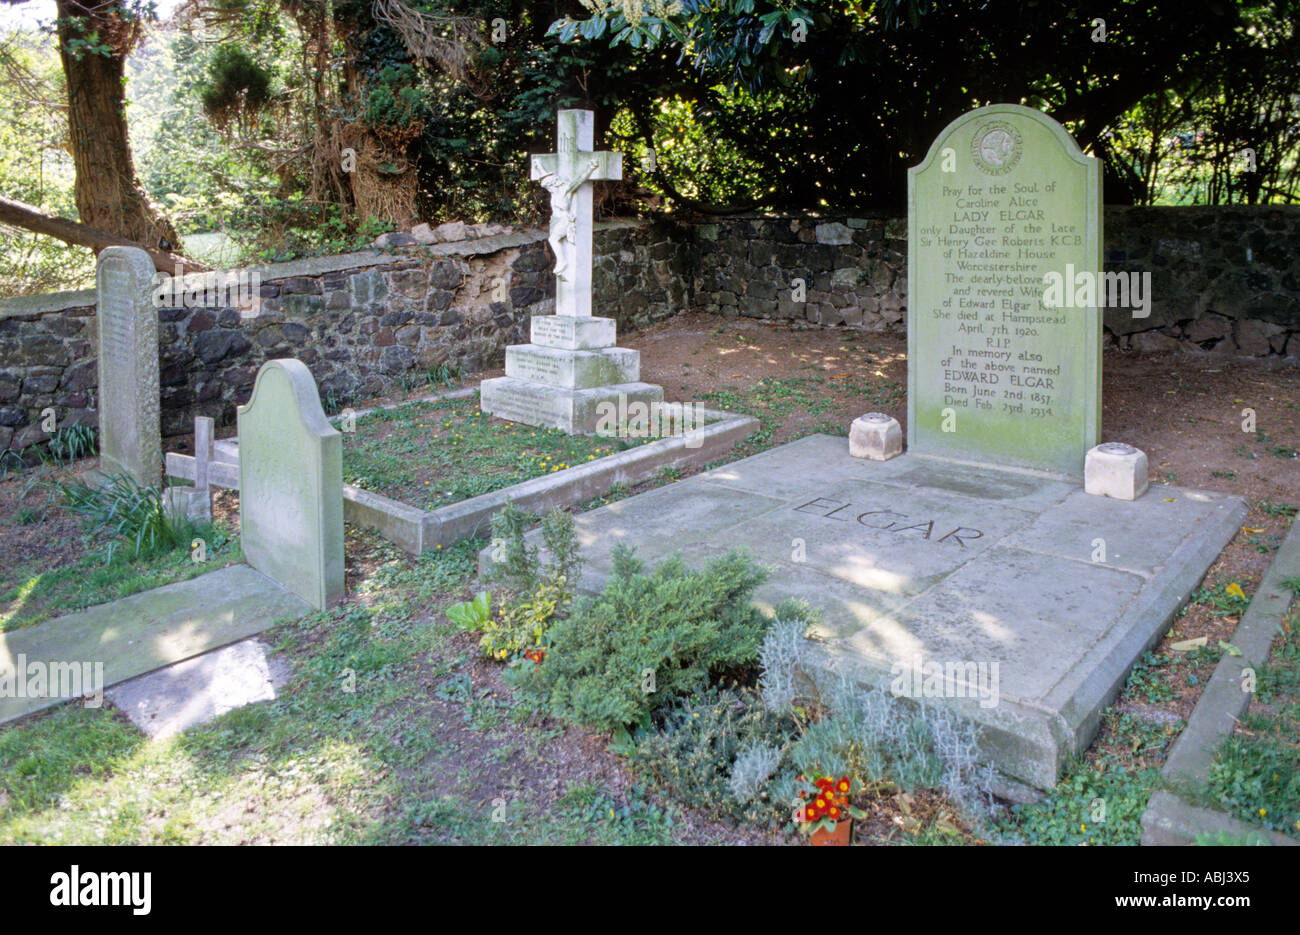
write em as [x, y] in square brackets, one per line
[363, 324]
[1224, 281]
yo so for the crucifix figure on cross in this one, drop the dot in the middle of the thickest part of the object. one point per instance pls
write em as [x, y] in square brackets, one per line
[567, 174]
[564, 224]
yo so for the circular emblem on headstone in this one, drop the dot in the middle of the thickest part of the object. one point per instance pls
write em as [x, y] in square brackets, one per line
[996, 148]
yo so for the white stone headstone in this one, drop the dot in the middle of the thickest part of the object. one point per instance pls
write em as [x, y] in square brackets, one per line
[130, 437]
[291, 484]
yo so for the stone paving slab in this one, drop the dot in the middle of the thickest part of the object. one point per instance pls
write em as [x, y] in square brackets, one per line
[165, 702]
[920, 560]
[149, 630]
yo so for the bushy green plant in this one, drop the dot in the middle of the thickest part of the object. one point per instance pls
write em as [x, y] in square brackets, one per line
[649, 639]
[755, 764]
[886, 743]
[522, 624]
[124, 512]
[709, 740]
[877, 741]
[514, 561]
[782, 656]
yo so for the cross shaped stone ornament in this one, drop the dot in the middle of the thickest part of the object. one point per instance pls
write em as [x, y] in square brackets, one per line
[570, 376]
[568, 175]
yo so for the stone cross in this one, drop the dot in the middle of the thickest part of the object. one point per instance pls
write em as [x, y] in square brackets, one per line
[567, 175]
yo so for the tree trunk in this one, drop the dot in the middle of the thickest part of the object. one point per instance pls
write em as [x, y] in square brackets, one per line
[17, 214]
[94, 40]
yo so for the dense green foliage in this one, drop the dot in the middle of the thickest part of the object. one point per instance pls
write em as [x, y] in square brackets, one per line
[649, 639]
[244, 115]
[534, 593]
[693, 753]
[834, 100]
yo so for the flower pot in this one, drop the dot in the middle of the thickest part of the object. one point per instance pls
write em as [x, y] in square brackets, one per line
[840, 837]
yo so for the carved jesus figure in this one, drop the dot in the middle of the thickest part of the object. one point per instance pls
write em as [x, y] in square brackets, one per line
[563, 220]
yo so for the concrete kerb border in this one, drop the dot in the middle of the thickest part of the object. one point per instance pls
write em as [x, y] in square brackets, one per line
[415, 530]
[573, 485]
[1170, 818]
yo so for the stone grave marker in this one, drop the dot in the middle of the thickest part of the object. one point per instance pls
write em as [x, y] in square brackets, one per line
[991, 575]
[1003, 197]
[291, 484]
[130, 437]
[571, 367]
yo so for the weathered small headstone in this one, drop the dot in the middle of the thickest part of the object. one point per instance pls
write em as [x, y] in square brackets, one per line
[1003, 198]
[571, 371]
[130, 436]
[291, 484]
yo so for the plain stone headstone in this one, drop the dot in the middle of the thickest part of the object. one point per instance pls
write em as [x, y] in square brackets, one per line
[1003, 197]
[291, 484]
[130, 436]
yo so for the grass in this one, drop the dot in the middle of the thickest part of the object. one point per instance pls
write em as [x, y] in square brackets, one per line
[355, 750]
[1255, 774]
[430, 454]
[36, 594]
[773, 401]
[1100, 800]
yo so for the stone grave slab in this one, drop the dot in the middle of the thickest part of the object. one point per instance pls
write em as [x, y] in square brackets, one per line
[147, 631]
[291, 484]
[887, 551]
[130, 437]
[166, 702]
[1003, 198]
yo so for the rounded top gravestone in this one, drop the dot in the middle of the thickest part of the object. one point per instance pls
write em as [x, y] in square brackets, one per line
[291, 484]
[1002, 368]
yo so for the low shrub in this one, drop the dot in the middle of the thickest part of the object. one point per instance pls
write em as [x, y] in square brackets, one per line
[649, 639]
[707, 743]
